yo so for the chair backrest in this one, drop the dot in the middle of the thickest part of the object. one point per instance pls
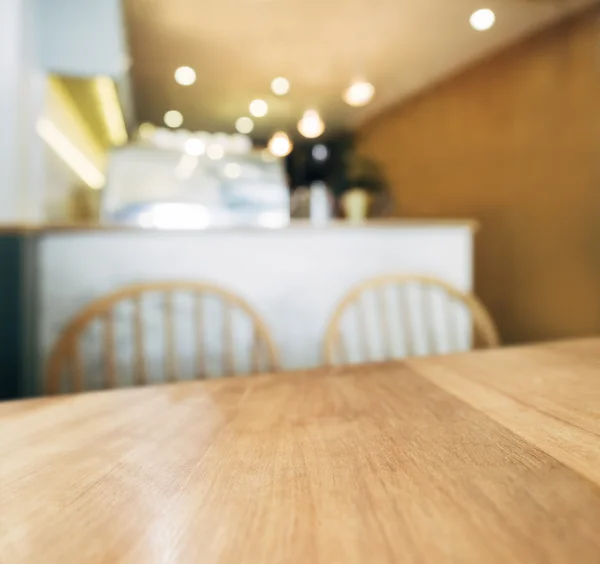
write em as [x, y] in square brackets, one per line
[398, 316]
[148, 333]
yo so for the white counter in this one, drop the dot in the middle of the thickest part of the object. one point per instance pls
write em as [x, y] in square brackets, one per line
[293, 277]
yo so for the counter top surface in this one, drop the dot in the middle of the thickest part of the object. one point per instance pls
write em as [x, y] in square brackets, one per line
[294, 225]
[487, 457]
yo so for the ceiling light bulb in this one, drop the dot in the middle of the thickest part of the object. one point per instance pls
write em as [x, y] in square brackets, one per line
[280, 86]
[146, 131]
[320, 153]
[259, 108]
[359, 94]
[194, 147]
[311, 125]
[215, 152]
[482, 19]
[173, 119]
[280, 144]
[186, 76]
[244, 125]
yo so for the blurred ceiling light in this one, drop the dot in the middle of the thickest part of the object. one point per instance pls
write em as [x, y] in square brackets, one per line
[233, 170]
[320, 153]
[482, 19]
[244, 125]
[259, 108]
[68, 152]
[215, 152]
[194, 146]
[360, 93]
[280, 86]
[173, 119]
[110, 106]
[311, 125]
[186, 76]
[146, 131]
[280, 144]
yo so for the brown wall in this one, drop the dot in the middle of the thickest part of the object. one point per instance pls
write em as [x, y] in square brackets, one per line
[515, 143]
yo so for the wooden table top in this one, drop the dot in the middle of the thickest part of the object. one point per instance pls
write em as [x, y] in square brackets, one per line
[479, 458]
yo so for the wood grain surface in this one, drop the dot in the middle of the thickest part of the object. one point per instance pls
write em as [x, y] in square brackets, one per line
[484, 457]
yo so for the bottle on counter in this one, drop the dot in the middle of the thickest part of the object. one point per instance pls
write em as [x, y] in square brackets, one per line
[320, 203]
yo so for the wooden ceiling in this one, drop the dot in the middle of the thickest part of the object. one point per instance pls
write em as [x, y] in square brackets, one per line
[238, 46]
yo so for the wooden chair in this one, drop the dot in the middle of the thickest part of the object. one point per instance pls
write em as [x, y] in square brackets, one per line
[398, 316]
[222, 334]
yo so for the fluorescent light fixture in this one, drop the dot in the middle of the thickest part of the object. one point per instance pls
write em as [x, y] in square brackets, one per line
[111, 109]
[69, 153]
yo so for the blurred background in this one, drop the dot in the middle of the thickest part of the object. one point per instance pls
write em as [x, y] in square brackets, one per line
[296, 147]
